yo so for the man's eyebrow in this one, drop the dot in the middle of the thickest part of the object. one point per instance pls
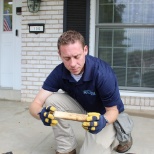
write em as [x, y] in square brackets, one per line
[71, 56]
[77, 55]
[66, 57]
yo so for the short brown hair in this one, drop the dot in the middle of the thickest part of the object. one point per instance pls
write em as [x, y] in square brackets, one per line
[70, 37]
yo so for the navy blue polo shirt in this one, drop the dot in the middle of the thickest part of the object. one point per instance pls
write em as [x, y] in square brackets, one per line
[97, 88]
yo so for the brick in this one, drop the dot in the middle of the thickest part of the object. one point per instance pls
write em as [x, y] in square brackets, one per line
[128, 100]
[147, 101]
[45, 17]
[45, 44]
[147, 108]
[152, 102]
[137, 101]
[52, 3]
[132, 107]
[142, 102]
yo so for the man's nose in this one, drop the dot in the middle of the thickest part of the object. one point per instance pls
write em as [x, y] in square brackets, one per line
[72, 62]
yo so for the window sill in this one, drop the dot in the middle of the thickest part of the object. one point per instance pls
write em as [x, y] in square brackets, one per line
[136, 93]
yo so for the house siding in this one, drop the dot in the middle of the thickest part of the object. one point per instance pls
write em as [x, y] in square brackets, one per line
[39, 51]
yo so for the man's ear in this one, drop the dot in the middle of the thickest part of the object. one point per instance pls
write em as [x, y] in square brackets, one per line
[86, 49]
[59, 53]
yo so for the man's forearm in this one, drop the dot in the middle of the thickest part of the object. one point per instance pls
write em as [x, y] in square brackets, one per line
[38, 103]
[111, 114]
[34, 109]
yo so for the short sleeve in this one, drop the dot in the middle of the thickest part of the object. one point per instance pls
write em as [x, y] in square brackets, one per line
[108, 87]
[52, 81]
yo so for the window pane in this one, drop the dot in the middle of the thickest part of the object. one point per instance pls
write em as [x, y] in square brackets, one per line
[134, 77]
[136, 13]
[134, 57]
[148, 10]
[105, 38]
[130, 51]
[7, 23]
[126, 11]
[119, 57]
[7, 16]
[120, 38]
[135, 38]
[7, 6]
[105, 54]
[148, 77]
[121, 75]
[106, 13]
[148, 68]
[121, 13]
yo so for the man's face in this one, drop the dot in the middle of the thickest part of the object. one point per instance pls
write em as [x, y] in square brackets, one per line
[73, 57]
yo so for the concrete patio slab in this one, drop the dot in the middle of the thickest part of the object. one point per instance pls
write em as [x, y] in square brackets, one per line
[20, 133]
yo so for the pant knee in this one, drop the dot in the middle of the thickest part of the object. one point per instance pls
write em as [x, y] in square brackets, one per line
[51, 100]
[61, 101]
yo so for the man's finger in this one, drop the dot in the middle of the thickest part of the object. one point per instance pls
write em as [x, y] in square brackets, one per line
[50, 108]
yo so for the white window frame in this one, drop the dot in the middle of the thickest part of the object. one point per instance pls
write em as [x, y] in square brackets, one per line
[92, 48]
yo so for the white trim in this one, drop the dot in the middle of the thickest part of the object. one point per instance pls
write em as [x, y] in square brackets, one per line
[136, 93]
[1, 23]
[92, 27]
[17, 47]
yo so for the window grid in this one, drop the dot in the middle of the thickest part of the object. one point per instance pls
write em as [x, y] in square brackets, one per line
[141, 46]
[140, 66]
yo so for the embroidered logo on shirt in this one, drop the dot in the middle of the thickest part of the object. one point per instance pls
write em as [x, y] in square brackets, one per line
[89, 92]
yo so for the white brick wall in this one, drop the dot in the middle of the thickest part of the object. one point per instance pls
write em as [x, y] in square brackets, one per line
[39, 51]
[138, 103]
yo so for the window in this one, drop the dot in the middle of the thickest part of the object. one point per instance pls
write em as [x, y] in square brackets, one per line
[7, 15]
[125, 39]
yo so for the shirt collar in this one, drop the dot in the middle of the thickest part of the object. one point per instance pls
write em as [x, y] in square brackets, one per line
[66, 74]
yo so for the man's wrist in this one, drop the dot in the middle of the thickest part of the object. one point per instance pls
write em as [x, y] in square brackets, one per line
[40, 112]
[106, 119]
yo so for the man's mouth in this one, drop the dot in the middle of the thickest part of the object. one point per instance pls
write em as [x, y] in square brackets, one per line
[74, 70]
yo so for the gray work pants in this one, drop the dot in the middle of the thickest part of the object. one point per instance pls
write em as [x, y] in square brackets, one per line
[101, 143]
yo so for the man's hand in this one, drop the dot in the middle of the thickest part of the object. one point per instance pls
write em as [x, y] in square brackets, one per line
[95, 122]
[47, 117]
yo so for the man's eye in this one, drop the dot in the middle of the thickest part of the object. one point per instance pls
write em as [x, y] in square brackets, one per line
[67, 59]
[77, 57]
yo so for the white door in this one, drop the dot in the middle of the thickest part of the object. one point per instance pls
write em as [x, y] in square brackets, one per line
[10, 44]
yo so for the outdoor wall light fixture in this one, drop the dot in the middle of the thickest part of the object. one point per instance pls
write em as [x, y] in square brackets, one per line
[33, 5]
